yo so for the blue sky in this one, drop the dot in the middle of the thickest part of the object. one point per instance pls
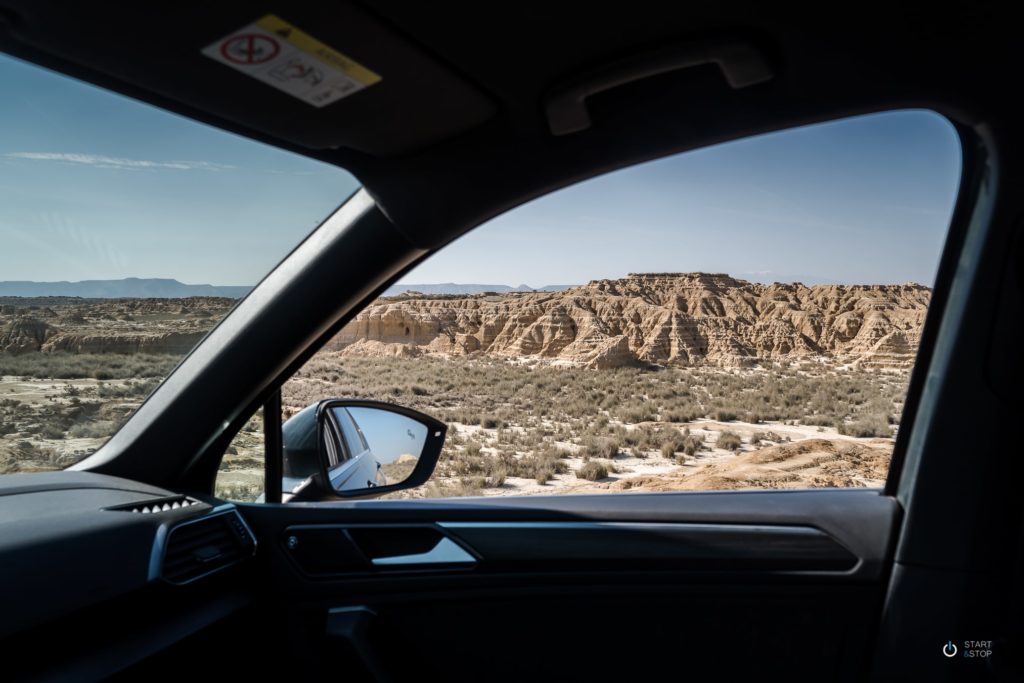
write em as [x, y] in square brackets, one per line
[97, 186]
[390, 435]
[863, 200]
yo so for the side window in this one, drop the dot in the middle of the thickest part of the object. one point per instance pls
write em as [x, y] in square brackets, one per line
[739, 317]
[336, 455]
[346, 441]
[240, 476]
[127, 233]
[353, 437]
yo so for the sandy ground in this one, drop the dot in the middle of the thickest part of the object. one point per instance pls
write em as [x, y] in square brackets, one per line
[44, 453]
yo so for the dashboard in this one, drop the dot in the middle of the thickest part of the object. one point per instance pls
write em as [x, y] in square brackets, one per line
[71, 541]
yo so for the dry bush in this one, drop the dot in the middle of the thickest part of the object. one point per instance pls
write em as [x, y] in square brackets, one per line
[729, 441]
[866, 426]
[599, 447]
[592, 471]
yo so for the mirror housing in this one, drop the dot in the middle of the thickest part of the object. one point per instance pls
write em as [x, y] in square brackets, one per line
[387, 438]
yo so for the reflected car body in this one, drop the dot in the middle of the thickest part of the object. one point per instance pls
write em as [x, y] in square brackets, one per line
[353, 466]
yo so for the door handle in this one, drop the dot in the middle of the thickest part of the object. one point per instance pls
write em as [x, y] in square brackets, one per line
[446, 552]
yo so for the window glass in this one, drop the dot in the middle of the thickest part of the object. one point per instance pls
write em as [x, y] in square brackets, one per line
[353, 439]
[744, 316]
[240, 476]
[126, 234]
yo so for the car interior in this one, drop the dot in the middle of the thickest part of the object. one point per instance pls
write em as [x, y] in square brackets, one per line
[127, 567]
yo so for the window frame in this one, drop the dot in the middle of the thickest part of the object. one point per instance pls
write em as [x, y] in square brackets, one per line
[974, 153]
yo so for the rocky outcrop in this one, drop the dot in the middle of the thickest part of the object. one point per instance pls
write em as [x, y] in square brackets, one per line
[178, 343]
[662, 318]
[24, 334]
[70, 325]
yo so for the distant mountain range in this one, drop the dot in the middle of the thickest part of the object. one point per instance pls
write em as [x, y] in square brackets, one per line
[128, 288]
[163, 288]
[455, 288]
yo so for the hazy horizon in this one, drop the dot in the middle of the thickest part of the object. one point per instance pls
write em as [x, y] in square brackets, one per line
[516, 286]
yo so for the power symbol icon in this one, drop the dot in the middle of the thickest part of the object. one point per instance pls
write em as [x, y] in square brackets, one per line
[949, 649]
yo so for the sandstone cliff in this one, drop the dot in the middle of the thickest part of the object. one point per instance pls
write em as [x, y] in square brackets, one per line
[659, 318]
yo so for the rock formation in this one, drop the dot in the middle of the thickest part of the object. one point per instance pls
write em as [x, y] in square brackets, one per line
[72, 325]
[658, 318]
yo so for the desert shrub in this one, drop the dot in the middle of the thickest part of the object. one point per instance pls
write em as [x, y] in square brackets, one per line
[247, 493]
[681, 415]
[548, 460]
[496, 477]
[63, 365]
[592, 471]
[144, 388]
[93, 430]
[473, 448]
[543, 476]
[468, 486]
[552, 452]
[634, 412]
[692, 443]
[758, 437]
[866, 426]
[490, 422]
[600, 447]
[50, 431]
[730, 441]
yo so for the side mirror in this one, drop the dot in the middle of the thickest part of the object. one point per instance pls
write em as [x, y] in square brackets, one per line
[368, 448]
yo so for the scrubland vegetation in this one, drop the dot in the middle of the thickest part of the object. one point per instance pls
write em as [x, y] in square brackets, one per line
[55, 409]
[509, 423]
[542, 423]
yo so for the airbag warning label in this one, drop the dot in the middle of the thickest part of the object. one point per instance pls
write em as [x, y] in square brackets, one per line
[280, 55]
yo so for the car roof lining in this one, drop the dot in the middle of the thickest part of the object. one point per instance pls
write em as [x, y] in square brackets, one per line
[456, 132]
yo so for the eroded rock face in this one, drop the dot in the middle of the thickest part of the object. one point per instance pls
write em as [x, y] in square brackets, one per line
[661, 318]
[24, 334]
[71, 325]
[178, 343]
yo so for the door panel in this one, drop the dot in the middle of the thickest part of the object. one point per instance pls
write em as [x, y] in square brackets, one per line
[599, 587]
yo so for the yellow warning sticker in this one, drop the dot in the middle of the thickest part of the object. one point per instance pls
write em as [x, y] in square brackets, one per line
[275, 52]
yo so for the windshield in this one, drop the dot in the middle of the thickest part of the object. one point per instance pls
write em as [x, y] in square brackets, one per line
[126, 234]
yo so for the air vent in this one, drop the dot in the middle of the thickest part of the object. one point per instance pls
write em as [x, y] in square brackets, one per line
[157, 505]
[206, 545]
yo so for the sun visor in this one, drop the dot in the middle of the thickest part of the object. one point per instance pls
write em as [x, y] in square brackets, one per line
[320, 76]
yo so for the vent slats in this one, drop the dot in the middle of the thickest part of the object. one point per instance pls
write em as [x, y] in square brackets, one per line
[197, 548]
[157, 505]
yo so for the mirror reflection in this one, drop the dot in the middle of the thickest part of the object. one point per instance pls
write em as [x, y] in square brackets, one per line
[370, 447]
[395, 440]
[360, 447]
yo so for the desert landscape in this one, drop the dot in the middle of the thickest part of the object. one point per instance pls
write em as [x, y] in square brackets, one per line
[653, 382]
